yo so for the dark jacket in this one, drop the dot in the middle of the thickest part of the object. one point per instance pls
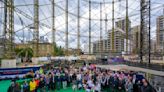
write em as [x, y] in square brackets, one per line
[147, 88]
[41, 84]
[10, 89]
[14, 89]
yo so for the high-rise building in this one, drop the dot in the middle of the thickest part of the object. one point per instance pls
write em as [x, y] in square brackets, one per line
[135, 33]
[118, 40]
[95, 47]
[153, 46]
[122, 24]
[136, 41]
[160, 33]
[2, 47]
[105, 46]
[101, 46]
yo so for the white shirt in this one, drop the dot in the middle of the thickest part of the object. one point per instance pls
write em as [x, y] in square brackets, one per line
[79, 77]
[98, 87]
[90, 83]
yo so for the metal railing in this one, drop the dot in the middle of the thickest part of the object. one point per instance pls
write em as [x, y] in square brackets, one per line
[152, 66]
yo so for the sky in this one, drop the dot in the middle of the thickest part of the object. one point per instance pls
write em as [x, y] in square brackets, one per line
[20, 21]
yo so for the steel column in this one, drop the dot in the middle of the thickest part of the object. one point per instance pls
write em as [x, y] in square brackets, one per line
[100, 46]
[78, 28]
[113, 48]
[66, 29]
[127, 26]
[89, 27]
[53, 23]
[149, 31]
[36, 28]
[9, 28]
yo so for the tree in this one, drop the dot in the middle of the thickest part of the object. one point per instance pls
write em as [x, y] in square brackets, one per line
[58, 51]
[24, 53]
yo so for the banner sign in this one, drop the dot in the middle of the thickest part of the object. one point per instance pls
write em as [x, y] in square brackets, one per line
[17, 71]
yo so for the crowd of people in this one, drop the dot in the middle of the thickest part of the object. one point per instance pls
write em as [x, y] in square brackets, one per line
[89, 78]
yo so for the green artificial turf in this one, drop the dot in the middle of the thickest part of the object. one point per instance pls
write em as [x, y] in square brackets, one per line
[4, 85]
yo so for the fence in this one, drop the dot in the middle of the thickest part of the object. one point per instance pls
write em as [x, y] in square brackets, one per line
[153, 66]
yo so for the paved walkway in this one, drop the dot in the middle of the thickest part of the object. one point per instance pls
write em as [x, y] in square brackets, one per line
[131, 68]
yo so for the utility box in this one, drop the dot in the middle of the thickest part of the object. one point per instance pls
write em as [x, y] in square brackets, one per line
[35, 60]
[2, 47]
[8, 63]
[1, 51]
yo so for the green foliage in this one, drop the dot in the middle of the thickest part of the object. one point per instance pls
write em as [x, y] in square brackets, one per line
[24, 52]
[58, 51]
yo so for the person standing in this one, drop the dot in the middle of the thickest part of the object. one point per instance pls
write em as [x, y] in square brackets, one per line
[32, 85]
[129, 86]
[147, 87]
[115, 83]
[58, 80]
[52, 81]
[64, 81]
[47, 82]
[25, 87]
[42, 85]
[103, 81]
[97, 87]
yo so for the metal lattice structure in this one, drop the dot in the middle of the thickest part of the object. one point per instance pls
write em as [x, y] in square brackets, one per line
[9, 28]
[76, 23]
[145, 30]
[36, 28]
